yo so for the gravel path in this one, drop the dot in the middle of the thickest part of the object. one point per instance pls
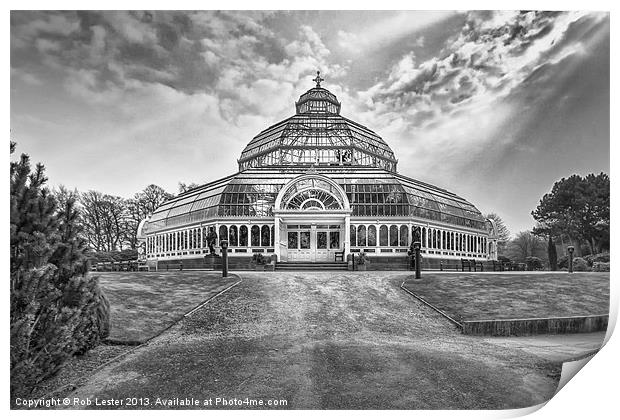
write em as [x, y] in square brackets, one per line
[324, 340]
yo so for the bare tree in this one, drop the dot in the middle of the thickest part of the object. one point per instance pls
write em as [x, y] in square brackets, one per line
[139, 208]
[502, 232]
[526, 244]
[104, 220]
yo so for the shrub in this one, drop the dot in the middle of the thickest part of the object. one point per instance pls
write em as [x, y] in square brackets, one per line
[563, 262]
[258, 259]
[601, 266]
[503, 259]
[603, 258]
[533, 263]
[361, 258]
[580, 264]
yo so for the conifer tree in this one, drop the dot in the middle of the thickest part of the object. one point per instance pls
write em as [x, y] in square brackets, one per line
[57, 310]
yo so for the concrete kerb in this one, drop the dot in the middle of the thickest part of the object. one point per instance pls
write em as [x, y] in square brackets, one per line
[445, 315]
[523, 326]
[133, 349]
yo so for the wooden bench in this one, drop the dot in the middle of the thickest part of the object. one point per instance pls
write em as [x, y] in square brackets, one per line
[443, 265]
[469, 264]
[168, 266]
[339, 255]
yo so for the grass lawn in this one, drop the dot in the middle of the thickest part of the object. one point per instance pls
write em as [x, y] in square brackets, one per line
[471, 296]
[323, 341]
[143, 304]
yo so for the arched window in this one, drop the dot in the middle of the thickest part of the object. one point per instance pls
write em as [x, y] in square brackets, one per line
[232, 236]
[361, 235]
[255, 235]
[383, 236]
[243, 235]
[423, 237]
[372, 235]
[273, 234]
[353, 235]
[264, 236]
[204, 237]
[404, 235]
[223, 234]
[393, 235]
[443, 240]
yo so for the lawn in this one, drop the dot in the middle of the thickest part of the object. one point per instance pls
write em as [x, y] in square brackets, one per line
[144, 304]
[483, 296]
[322, 341]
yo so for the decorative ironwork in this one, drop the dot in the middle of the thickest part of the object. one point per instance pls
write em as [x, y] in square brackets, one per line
[318, 79]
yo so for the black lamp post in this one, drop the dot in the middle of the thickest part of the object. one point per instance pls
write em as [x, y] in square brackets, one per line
[571, 249]
[224, 246]
[416, 248]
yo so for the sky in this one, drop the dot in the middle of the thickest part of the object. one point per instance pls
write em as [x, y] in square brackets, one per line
[493, 106]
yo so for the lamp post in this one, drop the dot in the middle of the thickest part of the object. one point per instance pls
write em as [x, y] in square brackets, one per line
[416, 247]
[571, 249]
[224, 246]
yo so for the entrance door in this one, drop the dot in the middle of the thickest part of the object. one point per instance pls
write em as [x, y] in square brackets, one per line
[313, 243]
[299, 243]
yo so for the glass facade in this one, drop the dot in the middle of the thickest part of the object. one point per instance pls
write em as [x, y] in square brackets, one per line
[317, 161]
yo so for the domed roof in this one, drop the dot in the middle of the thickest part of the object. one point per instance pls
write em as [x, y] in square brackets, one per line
[317, 135]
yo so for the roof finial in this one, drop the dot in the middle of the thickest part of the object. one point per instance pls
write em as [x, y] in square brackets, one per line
[318, 79]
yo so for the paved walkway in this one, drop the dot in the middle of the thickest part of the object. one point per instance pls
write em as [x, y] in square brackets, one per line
[326, 340]
[558, 348]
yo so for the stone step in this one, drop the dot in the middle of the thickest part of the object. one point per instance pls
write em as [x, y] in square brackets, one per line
[310, 266]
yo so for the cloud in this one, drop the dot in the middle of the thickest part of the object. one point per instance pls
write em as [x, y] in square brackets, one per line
[387, 30]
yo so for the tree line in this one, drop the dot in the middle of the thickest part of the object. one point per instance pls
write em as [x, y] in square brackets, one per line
[575, 212]
[110, 223]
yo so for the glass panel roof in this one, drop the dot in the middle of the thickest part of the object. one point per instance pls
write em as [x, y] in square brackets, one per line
[317, 126]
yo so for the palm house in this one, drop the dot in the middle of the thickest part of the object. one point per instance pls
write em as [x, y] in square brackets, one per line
[310, 187]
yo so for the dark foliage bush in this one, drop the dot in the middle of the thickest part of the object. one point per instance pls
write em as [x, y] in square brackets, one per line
[601, 266]
[603, 258]
[533, 263]
[361, 258]
[57, 309]
[503, 259]
[580, 264]
[259, 259]
[563, 261]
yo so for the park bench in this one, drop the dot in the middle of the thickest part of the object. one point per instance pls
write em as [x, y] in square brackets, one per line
[178, 266]
[443, 265]
[339, 255]
[465, 264]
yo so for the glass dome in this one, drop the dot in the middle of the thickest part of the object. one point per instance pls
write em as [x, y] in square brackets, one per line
[317, 135]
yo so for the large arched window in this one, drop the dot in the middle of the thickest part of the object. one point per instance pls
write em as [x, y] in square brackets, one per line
[404, 235]
[313, 199]
[243, 235]
[353, 235]
[223, 233]
[372, 235]
[424, 238]
[264, 236]
[255, 235]
[393, 235]
[232, 236]
[383, 236]
[361, 235]
[312, 193]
